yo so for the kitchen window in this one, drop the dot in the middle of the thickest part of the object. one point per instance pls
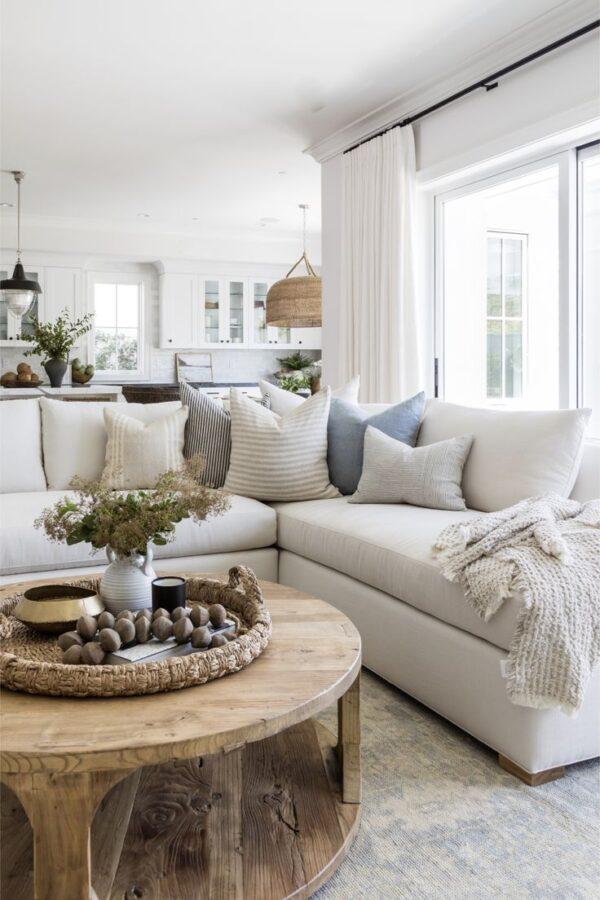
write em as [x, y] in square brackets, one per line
[117, 337]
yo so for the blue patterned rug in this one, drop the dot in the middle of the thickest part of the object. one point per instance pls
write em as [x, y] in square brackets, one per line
[440, 819]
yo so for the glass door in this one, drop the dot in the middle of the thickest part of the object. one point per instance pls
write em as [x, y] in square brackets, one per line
[210, 324]
[236, 328]
[589, 283]
[262, 334]
[498, 291]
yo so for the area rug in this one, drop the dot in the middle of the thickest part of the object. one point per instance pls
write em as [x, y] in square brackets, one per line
[440, 819]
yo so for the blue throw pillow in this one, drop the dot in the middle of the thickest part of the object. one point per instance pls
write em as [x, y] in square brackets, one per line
[346, 435]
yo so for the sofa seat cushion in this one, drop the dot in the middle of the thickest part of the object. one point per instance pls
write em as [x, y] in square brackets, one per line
[388, 546]
[247, 525]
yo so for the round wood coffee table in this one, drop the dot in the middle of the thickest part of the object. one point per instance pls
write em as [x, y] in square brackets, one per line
[226, 790]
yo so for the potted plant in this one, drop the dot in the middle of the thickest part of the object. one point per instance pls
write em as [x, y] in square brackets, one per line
[53, 341]
[125, 524]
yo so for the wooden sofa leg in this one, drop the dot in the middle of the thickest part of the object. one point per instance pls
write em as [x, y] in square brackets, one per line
[533, 779]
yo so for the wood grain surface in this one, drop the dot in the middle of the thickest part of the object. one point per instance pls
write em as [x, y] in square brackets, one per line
[313, 658]
[262, 822]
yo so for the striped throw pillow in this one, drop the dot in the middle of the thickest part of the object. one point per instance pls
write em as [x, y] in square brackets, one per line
[207, 433]
[138, 454]
[279, 457]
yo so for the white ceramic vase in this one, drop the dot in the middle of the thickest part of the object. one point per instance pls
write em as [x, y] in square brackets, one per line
[127, 581]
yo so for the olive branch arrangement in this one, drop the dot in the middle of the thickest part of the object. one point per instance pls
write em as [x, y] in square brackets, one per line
[54, 340]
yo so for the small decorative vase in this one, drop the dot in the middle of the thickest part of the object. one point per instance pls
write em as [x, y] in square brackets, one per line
[55, 370]
[127, 581]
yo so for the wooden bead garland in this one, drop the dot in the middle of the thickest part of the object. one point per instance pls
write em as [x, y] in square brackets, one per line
[94, 638]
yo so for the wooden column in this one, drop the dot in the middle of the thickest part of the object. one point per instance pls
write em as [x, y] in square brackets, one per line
[60, 809]
[348, 745]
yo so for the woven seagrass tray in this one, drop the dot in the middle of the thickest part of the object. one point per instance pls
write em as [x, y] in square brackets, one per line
[31, 662]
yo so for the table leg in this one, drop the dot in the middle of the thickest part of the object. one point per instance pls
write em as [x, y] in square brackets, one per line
[60, 809]
[348, 745]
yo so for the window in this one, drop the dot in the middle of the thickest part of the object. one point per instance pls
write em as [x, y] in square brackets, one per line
[499, 291]
[589, 282]
[505, 277]
[117, 335]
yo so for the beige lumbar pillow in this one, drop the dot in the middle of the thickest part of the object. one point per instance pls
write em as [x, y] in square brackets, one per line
[429, 476]
[279, 457]
[138, 454]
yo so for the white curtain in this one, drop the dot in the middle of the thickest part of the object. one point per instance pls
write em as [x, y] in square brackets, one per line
[378, 323]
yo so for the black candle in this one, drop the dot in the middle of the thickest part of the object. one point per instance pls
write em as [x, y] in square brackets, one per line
[168, 592]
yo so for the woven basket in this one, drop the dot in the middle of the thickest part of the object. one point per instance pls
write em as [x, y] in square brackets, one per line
[296, 302]
[31, 662]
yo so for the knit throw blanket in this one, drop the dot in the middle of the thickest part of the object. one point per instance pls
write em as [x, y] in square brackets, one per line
[548, 550]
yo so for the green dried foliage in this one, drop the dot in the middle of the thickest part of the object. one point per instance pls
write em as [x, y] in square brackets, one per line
[54, 340]
[293, 383]
[296, 362]
[128, 521]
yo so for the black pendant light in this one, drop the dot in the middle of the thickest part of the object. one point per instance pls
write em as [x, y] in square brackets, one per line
[19, 292]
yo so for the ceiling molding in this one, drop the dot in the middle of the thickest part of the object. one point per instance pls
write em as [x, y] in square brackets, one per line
[563, 19]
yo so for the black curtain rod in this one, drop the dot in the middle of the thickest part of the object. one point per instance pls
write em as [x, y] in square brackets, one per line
[489, 83]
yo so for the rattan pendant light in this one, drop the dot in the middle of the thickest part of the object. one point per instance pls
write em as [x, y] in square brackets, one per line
[296, 302]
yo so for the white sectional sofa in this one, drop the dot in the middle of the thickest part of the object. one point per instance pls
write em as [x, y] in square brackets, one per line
[372, 561]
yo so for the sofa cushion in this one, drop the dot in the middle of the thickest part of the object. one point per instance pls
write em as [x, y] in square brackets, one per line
[279, 457]
[21, 466]
[421, 476]
[74, 436]
[515, 454]
[283, 402]
[346, 433]
[138, 453]
[247, 525]
[389, 547]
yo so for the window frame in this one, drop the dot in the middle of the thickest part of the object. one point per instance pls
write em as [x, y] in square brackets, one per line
[119, 375]
[523, 238]
[569, 356]
[583, 152]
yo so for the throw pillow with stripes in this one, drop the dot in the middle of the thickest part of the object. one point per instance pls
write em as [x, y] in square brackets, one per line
[207, 433]
[137, 454]
[279, 457]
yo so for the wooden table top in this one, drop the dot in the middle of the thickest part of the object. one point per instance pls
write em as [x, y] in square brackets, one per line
[312, 659]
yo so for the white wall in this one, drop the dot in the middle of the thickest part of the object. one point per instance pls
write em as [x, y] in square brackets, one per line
[545, 99]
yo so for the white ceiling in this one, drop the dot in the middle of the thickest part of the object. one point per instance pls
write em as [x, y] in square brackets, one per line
[188, 109]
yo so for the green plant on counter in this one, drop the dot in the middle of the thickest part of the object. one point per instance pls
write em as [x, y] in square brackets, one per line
[296, 362]
[293, 383]
[55, 340]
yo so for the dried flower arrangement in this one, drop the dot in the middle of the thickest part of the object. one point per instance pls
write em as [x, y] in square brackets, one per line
[127, 522]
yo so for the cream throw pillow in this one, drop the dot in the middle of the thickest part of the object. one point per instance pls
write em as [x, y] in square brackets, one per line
[279, 457]
[138, 454]
[283, 402]
[428, 476]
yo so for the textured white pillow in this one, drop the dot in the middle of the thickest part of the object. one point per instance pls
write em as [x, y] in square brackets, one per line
[74, 436]
[137, 454]
[21, 447]
[428, 476]
[283, 402]
[279, 457]
[515, 454]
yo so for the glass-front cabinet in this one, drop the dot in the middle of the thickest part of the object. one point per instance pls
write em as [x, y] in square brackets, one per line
[264, 335]
[213, 307]
[224, 311]
[236, 324]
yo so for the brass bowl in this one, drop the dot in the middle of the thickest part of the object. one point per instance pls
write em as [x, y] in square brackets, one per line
[55, 608]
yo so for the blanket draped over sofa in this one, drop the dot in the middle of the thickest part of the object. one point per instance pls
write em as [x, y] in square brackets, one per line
[547, 549]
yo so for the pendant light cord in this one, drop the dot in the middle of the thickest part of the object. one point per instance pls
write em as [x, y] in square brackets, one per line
[18, 179]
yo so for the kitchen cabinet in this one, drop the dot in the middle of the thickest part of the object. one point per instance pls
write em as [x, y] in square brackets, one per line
[61, 289]
[178, 319]
[220, 312]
